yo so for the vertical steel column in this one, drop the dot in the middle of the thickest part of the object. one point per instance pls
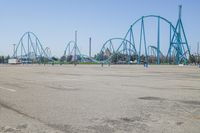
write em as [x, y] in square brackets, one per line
[145, 44]
[129, 47]
[90, 46]
[21, 50]
[142, 33]
[139, 61]
[110, 46]
[170, 44]
[179, 35]
[36, 47]
[75, 47]
[69, 50]
[158, 43]
[28, 48]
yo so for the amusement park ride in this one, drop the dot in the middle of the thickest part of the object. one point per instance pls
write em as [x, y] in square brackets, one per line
[30, 50]
[132, 48]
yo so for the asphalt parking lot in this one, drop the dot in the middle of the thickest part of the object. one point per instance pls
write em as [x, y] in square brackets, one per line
[95, 99]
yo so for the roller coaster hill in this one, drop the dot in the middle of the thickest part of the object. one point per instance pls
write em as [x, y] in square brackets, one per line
[72, 54]
[30, 50]
[139, 48]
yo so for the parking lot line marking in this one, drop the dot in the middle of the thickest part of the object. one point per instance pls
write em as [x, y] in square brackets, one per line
[11, 90]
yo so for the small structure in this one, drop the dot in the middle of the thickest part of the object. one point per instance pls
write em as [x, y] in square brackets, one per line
[13, 61]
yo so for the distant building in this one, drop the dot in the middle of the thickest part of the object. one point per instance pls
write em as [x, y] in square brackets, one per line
[107, 52]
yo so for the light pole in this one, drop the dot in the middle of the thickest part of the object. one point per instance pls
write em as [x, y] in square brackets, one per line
[198, 52]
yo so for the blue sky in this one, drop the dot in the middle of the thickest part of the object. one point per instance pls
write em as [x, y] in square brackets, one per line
[54, 21]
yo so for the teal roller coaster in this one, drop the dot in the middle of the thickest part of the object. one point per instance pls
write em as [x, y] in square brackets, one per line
[178, 48]
[29, 49]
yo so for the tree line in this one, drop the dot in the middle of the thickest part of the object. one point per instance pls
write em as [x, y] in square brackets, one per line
[4, 59]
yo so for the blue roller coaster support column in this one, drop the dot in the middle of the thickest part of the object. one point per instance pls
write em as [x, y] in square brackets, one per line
[170, 44]
[179, 34]
[145, 44]
[140, 44]
[28, 49]
[180, 42]
[36, 49]
[21, 51]
[129, 47]
[158, 43]
[75, 47]
[142, 33]
[180, 39]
